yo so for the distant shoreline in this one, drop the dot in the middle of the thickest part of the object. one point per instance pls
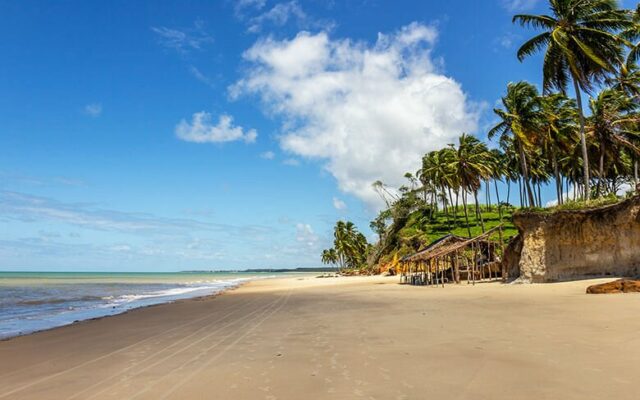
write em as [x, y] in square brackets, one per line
[259, 270]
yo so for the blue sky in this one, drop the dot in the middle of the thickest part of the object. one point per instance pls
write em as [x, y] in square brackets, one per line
[164, 136]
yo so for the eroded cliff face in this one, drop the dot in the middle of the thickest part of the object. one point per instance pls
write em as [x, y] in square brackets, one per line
[567, 245]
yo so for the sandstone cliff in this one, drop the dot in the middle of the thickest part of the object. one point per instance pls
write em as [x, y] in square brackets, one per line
[566, 245]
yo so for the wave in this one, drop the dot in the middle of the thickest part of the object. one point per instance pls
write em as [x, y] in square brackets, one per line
[34, 314]
[40, 302]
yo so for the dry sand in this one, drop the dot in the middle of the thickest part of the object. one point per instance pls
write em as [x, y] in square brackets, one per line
[343, 338]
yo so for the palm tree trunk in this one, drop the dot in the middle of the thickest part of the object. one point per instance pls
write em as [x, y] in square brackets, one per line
[457, 197]
[466, 213]
[475, 195]
[635, 175]
[495, 183]
[488, 195]
[520, 192]
[556, 173]
[446, 209]
[525, 173]
[539, 196]
[583, 140]
[600, 170]
[508, 189]
[451, 203]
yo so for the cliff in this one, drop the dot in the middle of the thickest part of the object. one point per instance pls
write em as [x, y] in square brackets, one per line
[565, 245]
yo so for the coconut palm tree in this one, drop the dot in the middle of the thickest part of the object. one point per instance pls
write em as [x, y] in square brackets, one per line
[582, 45]
[520, 118]
[329, 256]
[613, 126]
[350, 246]
[471, 164]
[557, 131]
[626, 79]
[498, 171]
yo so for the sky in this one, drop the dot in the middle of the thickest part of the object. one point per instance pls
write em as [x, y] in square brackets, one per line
[183, 135]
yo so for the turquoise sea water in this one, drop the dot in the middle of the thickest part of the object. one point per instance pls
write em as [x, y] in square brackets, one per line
[33, 301]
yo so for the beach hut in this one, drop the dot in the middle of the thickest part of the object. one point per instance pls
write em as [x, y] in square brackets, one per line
[453, 258]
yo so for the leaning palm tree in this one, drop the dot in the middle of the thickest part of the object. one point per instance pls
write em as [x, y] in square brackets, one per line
[520, 117]
[582, 45]
[329, 256]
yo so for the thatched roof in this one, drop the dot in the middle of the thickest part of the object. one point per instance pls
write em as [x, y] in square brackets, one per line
[438, 244]
[446, 245]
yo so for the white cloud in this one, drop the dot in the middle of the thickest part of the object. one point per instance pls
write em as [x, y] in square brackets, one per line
[518, 5]
[369, 111]
[183, 41]
[339, 204]
[16, 206]
[200, 76]
[202, 130]
[93, 110]
[305, 235]
[278, 16]
[508, 40]
[268, 155]
[283, 13]
[292, 162]
[241, 5]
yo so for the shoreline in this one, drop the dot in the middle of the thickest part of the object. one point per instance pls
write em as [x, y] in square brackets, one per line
[125, 311]
[346, 337]
[126, 308]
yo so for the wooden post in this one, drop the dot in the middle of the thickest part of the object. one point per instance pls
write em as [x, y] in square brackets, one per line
[492, 255]
[504, 270]
[456, 267]
[466, 263]
[442, 275]
[475, 262]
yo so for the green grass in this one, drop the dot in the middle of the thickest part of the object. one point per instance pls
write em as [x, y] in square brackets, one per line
[420, 227]
[580, 205]
[458, 226]
[420, 230]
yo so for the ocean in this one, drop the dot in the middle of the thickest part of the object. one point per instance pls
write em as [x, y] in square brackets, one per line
[34, 301]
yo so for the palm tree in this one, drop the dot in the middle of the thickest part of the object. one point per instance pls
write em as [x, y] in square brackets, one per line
[626, 79]
[498, 171]
[581, 45]
[557, 132]
[383, 191]
[437, 172]
[520, 117]
[470, 163]
[350, 246]
[612, 124]
[329, 256]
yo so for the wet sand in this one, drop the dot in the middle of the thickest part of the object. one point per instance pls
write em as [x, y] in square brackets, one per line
[343, 338]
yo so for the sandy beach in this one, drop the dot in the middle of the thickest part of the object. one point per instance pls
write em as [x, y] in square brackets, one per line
[343, 338]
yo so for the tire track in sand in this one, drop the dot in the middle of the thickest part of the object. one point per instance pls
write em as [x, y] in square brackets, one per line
[99, 358]
[115, 385]
[240, 332]
[209, 325]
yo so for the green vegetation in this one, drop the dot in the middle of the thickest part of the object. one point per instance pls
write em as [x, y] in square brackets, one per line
[421, 229]
[350, 248]
[590, 46]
